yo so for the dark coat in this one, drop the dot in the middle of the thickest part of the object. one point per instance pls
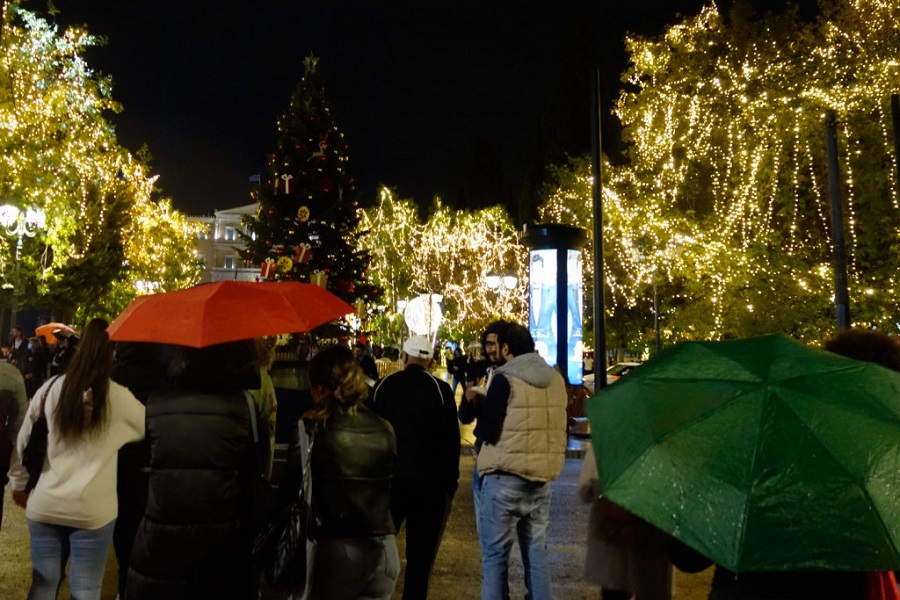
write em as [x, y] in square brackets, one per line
[194, 539]
[457, 367]
[422, 410]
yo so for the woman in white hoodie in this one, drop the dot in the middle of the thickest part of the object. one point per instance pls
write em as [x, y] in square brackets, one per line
[72, 511]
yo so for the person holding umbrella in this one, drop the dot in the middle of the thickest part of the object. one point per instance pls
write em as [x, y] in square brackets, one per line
[858, 344]
[775, 460]
[195, 537]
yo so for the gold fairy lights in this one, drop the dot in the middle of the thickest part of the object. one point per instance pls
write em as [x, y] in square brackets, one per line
[61, 154]
[745, 116]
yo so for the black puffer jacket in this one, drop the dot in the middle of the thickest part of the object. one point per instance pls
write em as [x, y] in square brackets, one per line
[353, 460]
[194, 538]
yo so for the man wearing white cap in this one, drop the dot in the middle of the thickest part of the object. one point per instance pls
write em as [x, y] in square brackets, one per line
[422, 410]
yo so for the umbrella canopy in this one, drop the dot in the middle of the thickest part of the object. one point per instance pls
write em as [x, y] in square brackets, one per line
[313, 303]
[762, 454]
[225, 311]
[49, 330]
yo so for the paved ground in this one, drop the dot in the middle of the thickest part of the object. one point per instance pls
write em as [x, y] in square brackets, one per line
[457, 570]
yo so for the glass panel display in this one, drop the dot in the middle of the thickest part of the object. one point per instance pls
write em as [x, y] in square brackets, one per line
[575, 301]
[542, 302]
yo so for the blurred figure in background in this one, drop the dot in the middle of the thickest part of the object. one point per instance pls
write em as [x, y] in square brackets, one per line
[62, 354]
[266, 402]
[142, 369]
[37, 362]
[366, 362]
[18, 348]
[456, 366]
[13, 404]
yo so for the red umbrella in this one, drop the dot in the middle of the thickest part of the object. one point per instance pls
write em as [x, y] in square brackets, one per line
[313, 302]
[48, 331]
[225, 311]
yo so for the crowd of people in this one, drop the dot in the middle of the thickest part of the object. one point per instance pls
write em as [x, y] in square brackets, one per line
[35, 358]
[160, 452]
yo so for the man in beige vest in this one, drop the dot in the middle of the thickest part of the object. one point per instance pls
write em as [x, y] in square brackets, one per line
[522, 424]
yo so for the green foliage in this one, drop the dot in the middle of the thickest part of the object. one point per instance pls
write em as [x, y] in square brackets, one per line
[59, 154]
[724, 209]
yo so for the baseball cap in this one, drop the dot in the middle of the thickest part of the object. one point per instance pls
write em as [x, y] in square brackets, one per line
[418, 346]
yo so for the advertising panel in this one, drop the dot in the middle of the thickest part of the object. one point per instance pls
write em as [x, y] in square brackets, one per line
[542, 302]
[575, 302]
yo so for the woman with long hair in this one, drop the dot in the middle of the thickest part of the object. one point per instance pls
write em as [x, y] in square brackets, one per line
[352, 462]
[72, 511]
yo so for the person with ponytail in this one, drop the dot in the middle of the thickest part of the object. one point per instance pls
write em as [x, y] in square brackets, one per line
[352, 462]
[72, 511]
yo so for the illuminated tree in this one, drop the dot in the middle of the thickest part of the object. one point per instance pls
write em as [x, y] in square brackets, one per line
[58, 153]
[391, 228]
[456, 250]
[450, 255]
[641, 252]
[307, 222]
[729, 120]
[725, 198]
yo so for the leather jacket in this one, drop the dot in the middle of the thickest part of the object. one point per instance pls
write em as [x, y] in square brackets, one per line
[353, 460]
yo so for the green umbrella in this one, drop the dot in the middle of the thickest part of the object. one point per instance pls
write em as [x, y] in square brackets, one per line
[762, 454]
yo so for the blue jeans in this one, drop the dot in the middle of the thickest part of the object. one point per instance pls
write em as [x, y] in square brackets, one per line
[513, 507]
[476, 492]
[52, 546]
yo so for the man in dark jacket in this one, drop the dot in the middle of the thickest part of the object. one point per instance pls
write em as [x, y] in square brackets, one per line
[365, 360]
[422, 411]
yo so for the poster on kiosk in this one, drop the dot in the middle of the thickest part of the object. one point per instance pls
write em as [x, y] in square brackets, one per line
[555, 307]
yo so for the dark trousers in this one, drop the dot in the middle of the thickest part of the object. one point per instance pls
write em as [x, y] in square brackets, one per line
[424, 506]
[132, 492]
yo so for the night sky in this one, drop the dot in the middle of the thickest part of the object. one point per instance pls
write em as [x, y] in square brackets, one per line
[413, 87]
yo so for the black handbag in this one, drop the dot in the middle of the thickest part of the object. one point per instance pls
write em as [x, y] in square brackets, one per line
[280, 548]
[35, 452]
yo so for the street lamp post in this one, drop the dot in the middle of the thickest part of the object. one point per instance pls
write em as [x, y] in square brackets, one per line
[494, 281]
[20, 223]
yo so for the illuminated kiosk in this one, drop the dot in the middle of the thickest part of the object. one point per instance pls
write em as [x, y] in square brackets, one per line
[555, 303]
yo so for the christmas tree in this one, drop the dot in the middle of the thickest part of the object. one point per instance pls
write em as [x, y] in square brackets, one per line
[305, 228]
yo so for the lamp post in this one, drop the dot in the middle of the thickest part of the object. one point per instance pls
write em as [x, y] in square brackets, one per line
[494, 281]
[20, 223]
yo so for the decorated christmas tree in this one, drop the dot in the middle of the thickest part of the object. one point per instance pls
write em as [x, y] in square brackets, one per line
[305, 226]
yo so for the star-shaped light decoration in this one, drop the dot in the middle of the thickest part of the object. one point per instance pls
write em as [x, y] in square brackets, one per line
[310, 62]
